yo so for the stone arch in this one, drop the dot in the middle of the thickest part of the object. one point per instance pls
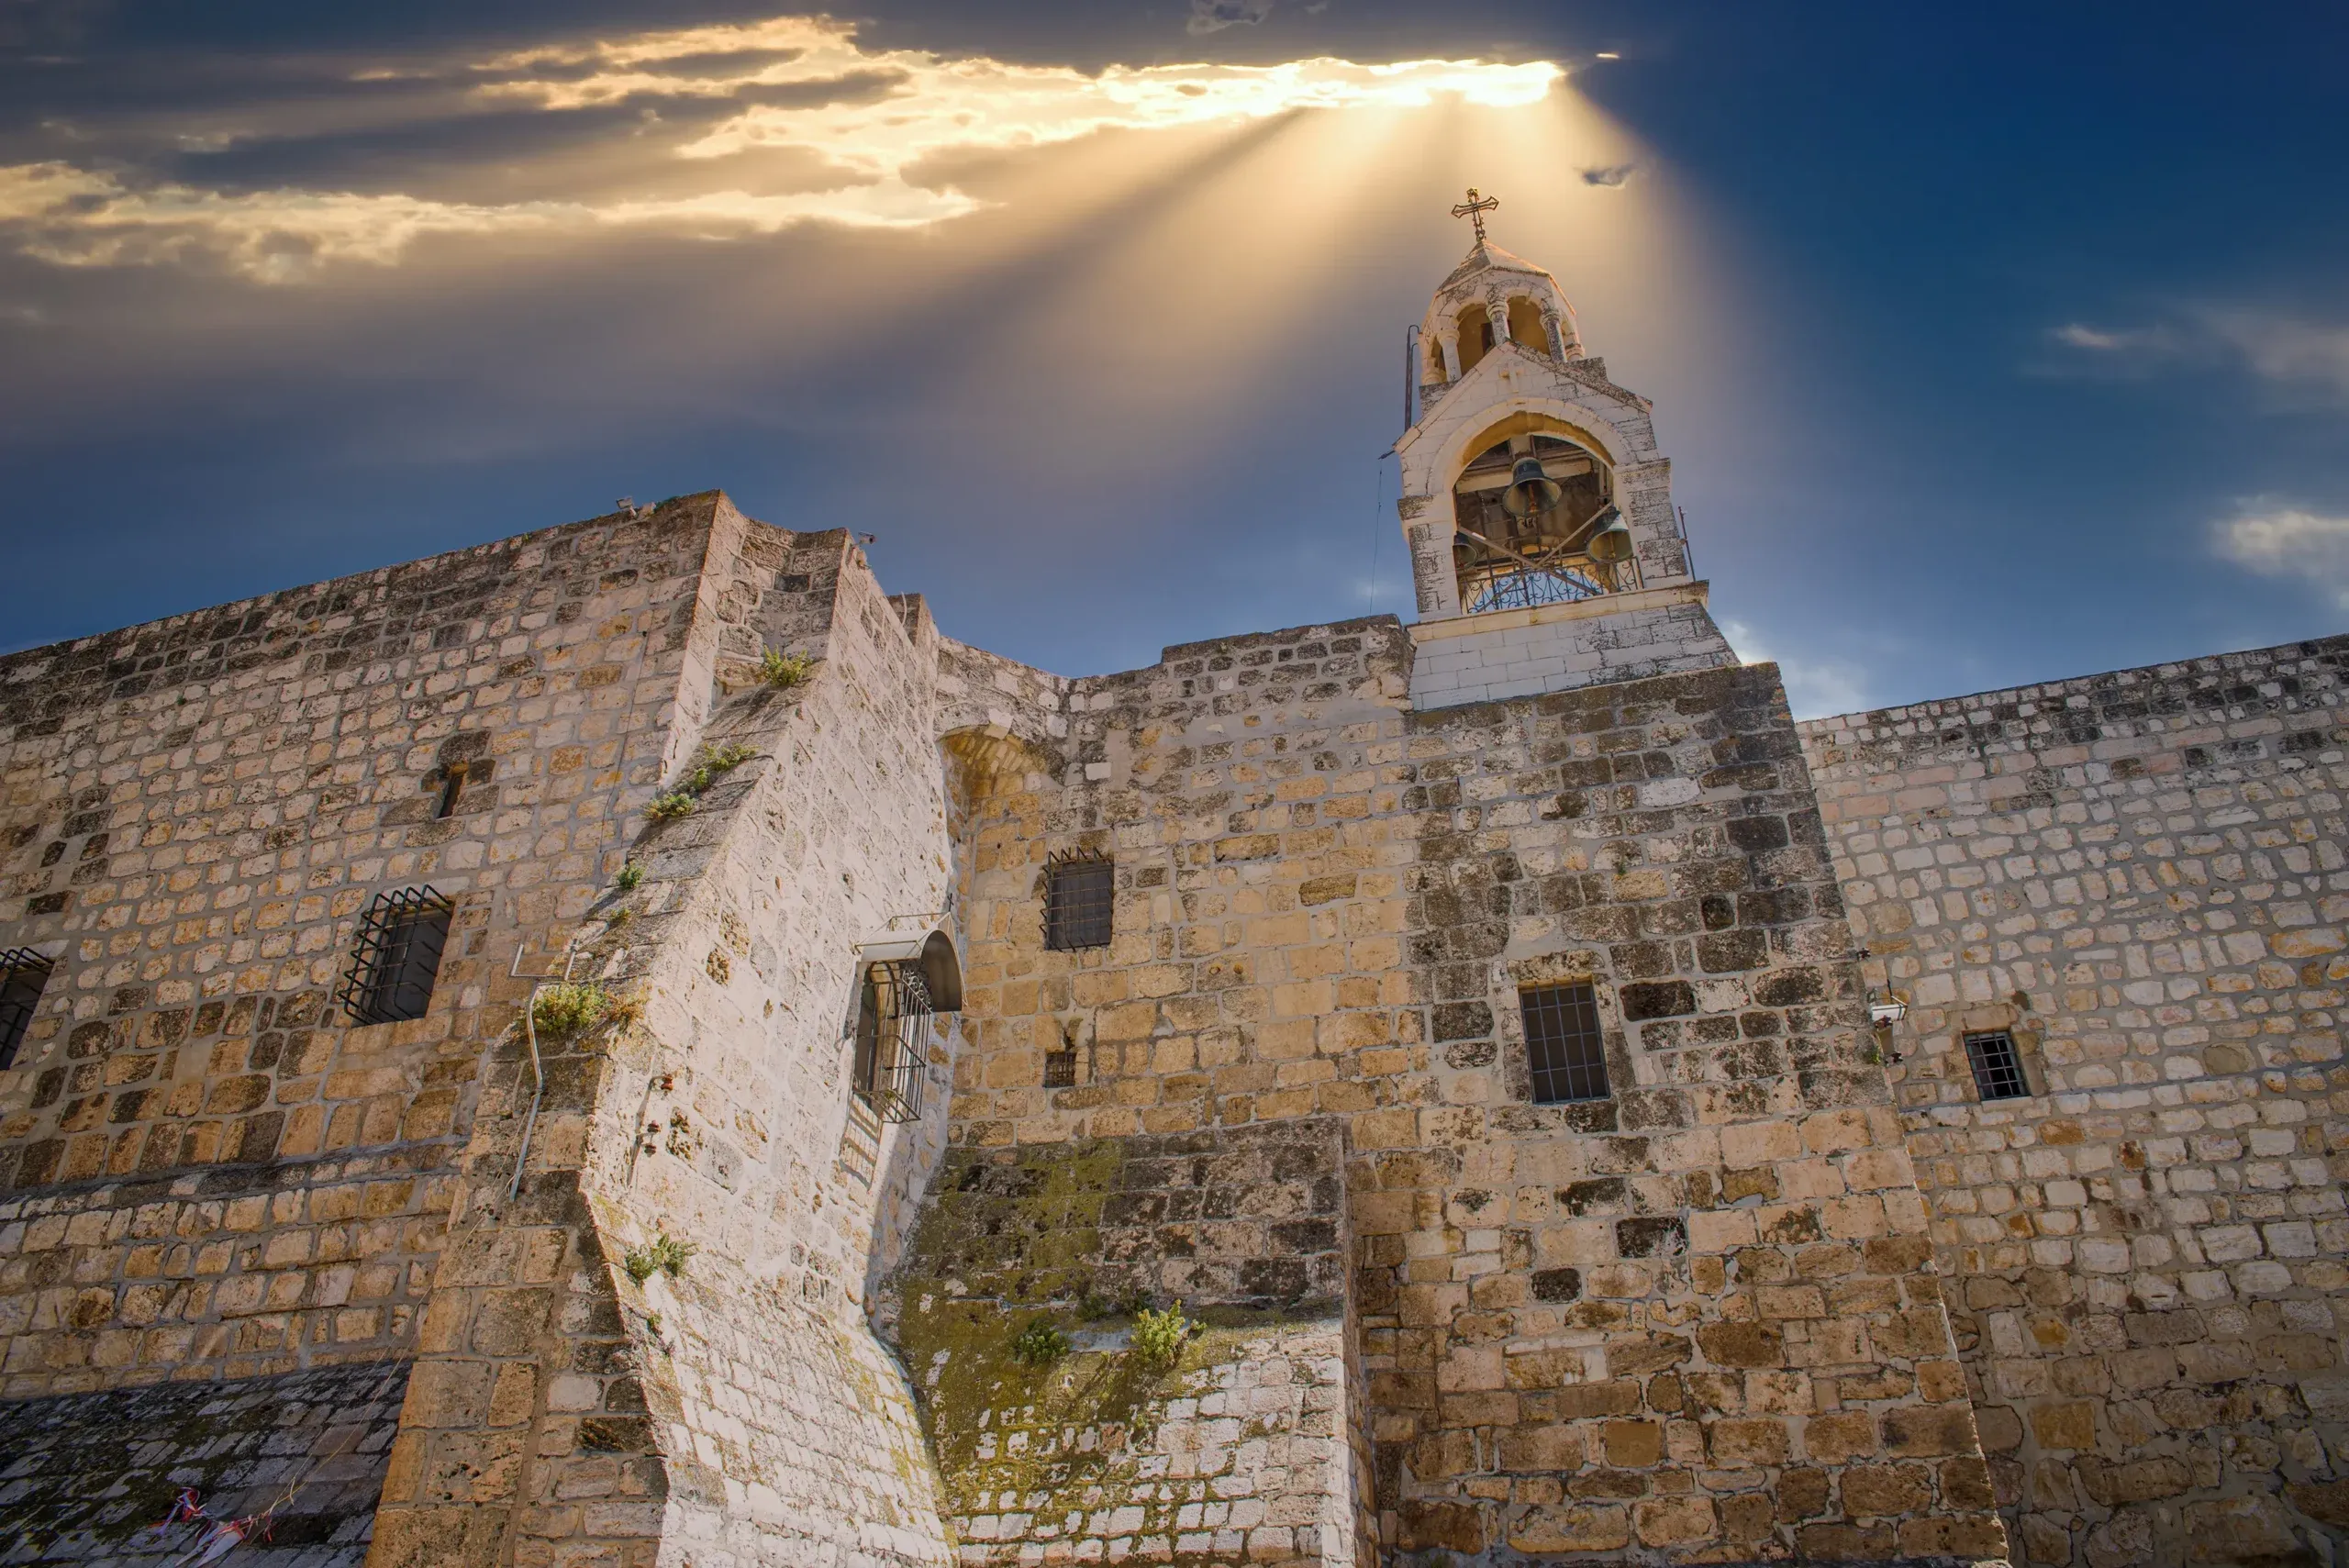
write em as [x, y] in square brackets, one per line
[1527, 416]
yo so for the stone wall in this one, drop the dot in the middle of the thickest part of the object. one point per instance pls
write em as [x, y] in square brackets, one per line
[2140, 878]
[192, 816]
[216, 1176]
[1774, 1296]
[1243, 1449]
[93, 1477]
[1695, 1320]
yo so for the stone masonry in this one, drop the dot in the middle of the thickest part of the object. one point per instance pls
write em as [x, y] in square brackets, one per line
[2140, 878]
[214, 1176]
[1694, 1319]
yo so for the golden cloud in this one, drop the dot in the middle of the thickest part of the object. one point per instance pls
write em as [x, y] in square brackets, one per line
[785, 74]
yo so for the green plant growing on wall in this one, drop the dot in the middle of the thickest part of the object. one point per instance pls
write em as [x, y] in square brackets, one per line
[1159, 1336]
[565, 1009]
[784, 671]
[665, 1255]
[631, 874]
[713, 763]
[1039, 1344]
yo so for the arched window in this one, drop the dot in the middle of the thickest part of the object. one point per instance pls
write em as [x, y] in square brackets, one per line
[1476, 336]
[902, 984]
[1525, 325]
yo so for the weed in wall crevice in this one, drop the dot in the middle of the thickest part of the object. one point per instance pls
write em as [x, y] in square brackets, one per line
[683, 799]
[1159, 1336]
[664, 1255]
[784, 671]
[1039, 1344]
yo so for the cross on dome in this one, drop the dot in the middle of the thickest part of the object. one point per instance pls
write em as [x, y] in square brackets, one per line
[1475, 208]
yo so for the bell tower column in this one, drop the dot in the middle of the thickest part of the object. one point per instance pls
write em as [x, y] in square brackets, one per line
[1546, 553]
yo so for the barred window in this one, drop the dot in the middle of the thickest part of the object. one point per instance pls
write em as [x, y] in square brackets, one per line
[1077, 896]
[23, 973]
[1563, 1045]
[1997, 1071]
[396, 956]
[893, 1021]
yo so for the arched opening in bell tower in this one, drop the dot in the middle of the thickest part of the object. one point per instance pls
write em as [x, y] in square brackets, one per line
[1525, 325]
[1535, 523]
[1475, 324]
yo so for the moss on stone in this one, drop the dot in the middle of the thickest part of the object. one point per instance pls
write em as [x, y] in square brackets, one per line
[1017, 1238]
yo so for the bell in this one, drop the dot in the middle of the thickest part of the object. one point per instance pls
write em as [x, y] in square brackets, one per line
[1531, 492]
[1611, 545]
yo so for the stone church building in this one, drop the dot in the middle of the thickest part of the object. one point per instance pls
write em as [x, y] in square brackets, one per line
[629, 1046]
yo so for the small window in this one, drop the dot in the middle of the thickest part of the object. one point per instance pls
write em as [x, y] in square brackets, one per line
[23, 973]
[1077, 896]
[1563, 1044]
[893, 1014]
[396, 957]
[1997, 1071]
[452, 787]
[1060, 1070]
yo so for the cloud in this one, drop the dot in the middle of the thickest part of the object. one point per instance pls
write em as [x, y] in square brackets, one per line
[2284, 349]
[2077, 335]
[691, 129]
[1612, 175]
[1214, 15]
[2292, 353]
[2278, 541]
[72, 217]
[1815, 688]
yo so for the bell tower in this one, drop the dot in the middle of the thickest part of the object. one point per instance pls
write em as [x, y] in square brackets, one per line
[1544, 546]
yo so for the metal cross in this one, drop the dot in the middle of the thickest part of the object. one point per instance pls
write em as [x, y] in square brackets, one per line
[1475, 208]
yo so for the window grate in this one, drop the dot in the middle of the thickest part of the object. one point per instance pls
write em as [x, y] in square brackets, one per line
[893, 1014]
[23, 974]
[1563, 1044]
[1078, 893]
[396, 956]
[1997, 1071]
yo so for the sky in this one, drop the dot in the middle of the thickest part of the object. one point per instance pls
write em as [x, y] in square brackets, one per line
[1990, 344]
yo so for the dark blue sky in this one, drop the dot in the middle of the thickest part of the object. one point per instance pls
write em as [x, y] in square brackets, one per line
[1991, 344]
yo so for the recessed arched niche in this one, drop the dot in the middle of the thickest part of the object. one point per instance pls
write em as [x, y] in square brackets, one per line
[1525, 326]
[1518, 543]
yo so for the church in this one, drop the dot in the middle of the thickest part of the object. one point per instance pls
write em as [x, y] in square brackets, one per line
[630, 1046]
